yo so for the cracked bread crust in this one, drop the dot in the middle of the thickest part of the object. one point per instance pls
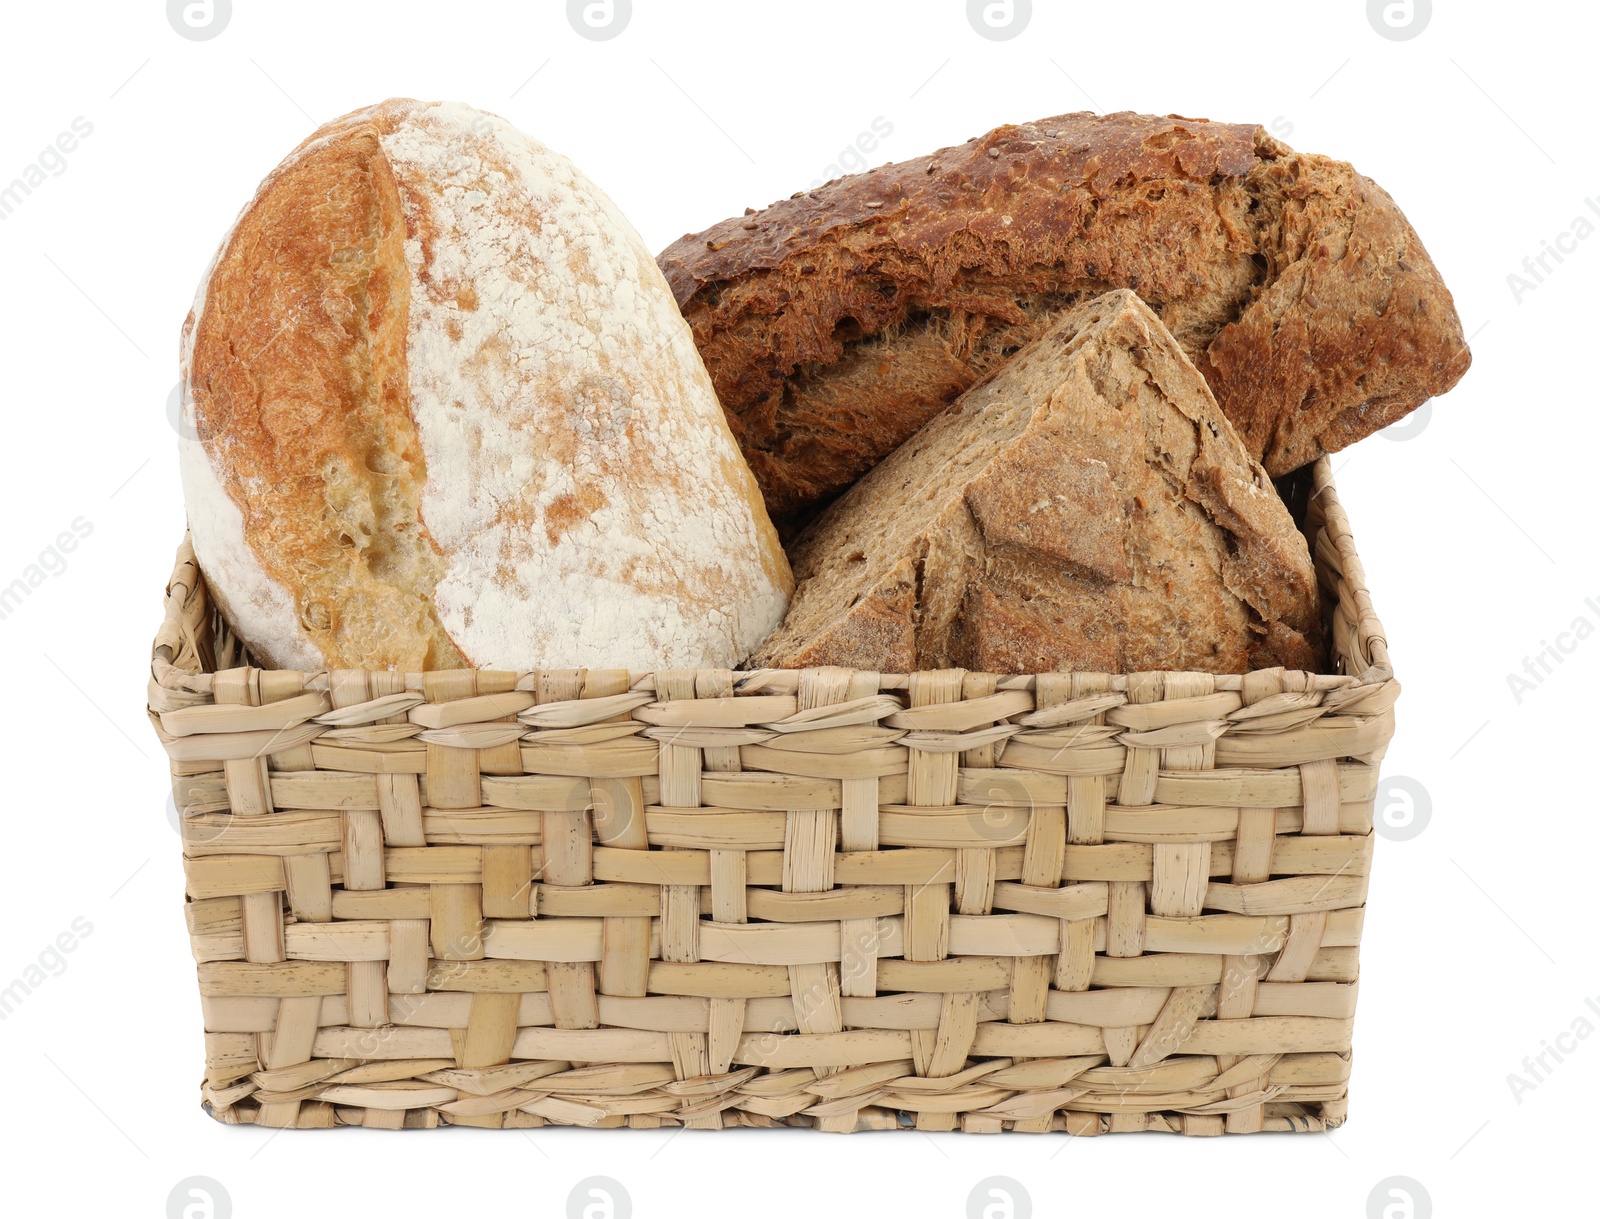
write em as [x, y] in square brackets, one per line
[447, 414]
[837, 322]
[1087, 507]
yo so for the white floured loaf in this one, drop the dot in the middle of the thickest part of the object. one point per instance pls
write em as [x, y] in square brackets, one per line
[446, 413]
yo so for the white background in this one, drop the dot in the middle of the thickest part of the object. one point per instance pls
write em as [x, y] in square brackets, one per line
[1478, 537]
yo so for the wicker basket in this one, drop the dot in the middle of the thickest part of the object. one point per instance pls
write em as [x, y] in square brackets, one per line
[1078, 902]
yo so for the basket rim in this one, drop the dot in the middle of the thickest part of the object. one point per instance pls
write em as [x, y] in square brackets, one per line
[180, 653]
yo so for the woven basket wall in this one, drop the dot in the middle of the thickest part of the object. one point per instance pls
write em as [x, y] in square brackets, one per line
[1082, 902]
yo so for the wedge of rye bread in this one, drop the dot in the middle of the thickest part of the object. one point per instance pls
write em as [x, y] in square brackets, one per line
[1087, 507]
[837, 322]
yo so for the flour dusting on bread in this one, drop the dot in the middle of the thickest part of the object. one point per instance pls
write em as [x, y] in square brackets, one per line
[554, 422]
[453, 416]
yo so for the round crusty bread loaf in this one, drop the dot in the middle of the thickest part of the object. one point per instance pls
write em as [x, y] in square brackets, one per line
[445, 413]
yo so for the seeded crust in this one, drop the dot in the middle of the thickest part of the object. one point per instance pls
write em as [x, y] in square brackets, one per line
[837, 322]
[1088, 507]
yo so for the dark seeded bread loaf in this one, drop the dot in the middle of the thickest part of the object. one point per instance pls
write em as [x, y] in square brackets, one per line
[1088, 507]
[837, 322]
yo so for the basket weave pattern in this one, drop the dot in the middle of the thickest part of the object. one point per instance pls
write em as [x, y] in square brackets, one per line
[949, 900]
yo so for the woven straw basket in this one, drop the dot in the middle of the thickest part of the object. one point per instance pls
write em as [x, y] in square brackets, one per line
[1077, 902]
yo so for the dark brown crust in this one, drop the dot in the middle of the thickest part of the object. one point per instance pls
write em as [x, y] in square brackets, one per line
[837, 322]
